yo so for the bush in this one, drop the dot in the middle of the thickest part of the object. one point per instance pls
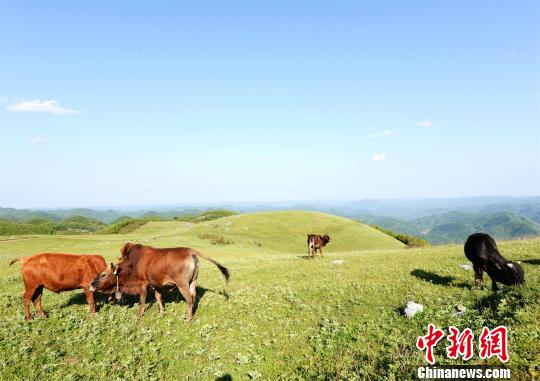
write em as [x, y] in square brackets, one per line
[408, 240]
[215, 239]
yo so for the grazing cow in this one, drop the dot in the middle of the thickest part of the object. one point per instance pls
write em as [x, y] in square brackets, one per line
[58, 272]
[143, 266]
[316, 242]
[482, 251]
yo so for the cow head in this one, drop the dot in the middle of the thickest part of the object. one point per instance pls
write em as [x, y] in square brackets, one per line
[510, 273]
[106, 281]
[326, 238]
[514, 274]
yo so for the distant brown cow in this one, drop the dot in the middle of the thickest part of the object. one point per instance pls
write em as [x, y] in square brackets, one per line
[143, 266]
[58, 272]
[316, 242]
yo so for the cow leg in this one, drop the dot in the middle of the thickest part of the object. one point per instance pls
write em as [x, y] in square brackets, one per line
[36, 299]
[478, 276]
[494, 285]
[90, 300]
[193, 284]
[184, 290]
[320, 251]
[27, 297]
[142, 300]
[159, 301]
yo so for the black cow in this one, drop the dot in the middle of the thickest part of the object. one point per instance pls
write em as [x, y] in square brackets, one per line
[482, 251]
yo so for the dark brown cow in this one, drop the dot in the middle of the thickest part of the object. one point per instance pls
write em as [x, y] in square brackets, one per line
[143, 266]
[58, 272]
[316, 242]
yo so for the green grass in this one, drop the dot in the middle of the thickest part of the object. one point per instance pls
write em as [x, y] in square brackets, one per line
[286, 317]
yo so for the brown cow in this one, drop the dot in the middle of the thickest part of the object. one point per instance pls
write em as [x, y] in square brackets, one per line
[143, 266]
[316, 242]
[58, 272]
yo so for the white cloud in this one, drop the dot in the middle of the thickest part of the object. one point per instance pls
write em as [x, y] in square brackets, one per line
[379, 157]
[425, 124]
[36, 105]
[381, 134]
[37, 140]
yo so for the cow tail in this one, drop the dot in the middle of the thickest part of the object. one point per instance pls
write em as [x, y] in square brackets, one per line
[13, 261]
[221, 268]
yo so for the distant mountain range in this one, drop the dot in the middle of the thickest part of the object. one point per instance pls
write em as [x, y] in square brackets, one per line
[436, 220]
[106, 216]
[455, 227]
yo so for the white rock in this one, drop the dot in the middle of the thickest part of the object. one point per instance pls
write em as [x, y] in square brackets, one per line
[337, 262]
[465, 267]
[412, 309]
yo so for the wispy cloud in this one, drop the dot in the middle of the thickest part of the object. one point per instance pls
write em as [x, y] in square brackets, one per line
[37, 140]
[381, 134]
[3, 99]
[424, 124]
[379, 157]
[36, 105]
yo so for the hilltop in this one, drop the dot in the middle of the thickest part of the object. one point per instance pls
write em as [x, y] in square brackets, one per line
[277, 231]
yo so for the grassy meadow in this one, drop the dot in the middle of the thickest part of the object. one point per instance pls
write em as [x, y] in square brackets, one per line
[282, 316]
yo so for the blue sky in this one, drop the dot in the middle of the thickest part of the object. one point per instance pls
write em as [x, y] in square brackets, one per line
[111, 104]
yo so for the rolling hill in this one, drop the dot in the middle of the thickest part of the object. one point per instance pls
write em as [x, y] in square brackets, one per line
[280, 231]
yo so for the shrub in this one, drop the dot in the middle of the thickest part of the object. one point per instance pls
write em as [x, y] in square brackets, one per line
[408, 240]
[215, 239]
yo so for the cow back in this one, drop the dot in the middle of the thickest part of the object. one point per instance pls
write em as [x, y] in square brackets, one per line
[61, 272]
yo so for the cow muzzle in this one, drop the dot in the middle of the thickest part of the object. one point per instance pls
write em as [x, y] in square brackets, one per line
[91, 288]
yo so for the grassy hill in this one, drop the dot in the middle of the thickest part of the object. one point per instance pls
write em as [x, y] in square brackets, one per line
[280, 231]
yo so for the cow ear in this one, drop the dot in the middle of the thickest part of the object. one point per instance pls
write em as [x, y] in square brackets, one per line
[511, 265]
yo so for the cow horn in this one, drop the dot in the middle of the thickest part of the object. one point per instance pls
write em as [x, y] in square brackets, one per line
[511, 265]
